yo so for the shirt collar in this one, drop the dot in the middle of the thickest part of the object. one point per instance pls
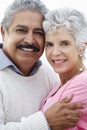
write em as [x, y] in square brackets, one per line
[5, 62]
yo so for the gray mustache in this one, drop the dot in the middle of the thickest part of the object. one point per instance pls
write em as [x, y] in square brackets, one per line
[35, 48]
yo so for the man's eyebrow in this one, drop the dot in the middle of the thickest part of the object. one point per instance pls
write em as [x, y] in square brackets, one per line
[39, 29]
[36, 29]
[21, 26]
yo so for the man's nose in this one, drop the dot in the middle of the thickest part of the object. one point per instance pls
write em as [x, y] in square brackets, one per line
[29, 38]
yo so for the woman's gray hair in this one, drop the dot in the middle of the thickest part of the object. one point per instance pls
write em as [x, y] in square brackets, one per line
[73, 20]
[19, 5]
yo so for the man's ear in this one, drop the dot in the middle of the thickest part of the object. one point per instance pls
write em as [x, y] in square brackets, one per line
[2, 33]
[86, 43]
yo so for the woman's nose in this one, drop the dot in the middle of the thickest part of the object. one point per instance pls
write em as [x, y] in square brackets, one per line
[56, 51]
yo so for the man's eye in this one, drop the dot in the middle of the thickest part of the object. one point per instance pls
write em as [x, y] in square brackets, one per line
[39, 33]
[20, 30]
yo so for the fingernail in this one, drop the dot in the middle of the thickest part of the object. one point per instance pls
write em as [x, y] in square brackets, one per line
[70, 96]
[84, 105]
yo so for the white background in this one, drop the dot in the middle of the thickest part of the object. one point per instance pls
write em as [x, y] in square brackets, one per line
[81, 5]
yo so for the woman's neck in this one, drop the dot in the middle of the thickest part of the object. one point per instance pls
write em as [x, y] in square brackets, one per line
[64, 77]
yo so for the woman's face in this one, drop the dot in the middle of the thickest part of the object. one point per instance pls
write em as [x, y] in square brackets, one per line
[61, 51]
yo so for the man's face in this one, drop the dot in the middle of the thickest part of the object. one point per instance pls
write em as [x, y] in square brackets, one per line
[24, 41]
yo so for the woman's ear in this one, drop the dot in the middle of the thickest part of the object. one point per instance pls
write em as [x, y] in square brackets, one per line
[82, 51]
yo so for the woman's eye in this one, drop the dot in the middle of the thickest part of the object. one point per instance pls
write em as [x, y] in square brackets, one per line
[64, 43]
[48, 44]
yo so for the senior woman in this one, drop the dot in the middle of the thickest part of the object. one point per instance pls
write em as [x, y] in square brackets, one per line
[66, 38]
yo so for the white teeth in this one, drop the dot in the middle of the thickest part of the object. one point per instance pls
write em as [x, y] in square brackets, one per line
[26, 49]
[58, 61]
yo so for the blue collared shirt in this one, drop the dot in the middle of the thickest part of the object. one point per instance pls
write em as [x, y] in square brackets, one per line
[6, 62]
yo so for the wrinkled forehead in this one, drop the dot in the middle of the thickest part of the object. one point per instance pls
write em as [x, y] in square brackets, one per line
[27, 18]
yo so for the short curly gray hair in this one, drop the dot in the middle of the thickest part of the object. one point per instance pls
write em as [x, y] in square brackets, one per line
[19, 5]
[73, 20]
